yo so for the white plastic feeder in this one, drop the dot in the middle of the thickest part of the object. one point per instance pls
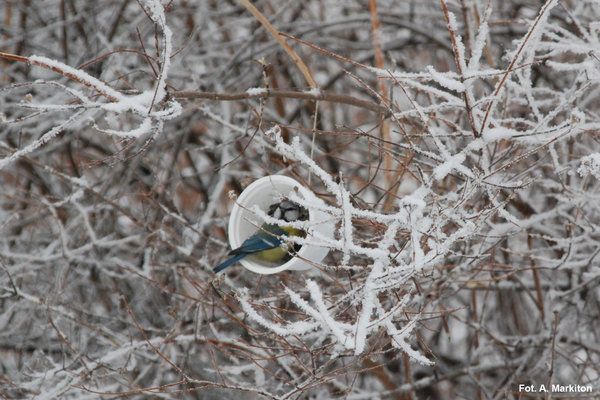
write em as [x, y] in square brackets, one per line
[243, 222]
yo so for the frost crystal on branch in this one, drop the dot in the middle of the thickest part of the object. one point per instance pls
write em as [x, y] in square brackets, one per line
[453, 146]
[144, 107]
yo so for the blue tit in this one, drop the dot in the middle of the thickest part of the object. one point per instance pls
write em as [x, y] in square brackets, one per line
[268, 244]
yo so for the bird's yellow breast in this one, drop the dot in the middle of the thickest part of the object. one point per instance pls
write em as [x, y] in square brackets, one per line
[272, 255]
[280, 252]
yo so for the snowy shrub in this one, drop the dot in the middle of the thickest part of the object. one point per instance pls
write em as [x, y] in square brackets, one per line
[455, 146]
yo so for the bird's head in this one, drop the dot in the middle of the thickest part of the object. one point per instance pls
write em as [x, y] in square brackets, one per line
[288, 211]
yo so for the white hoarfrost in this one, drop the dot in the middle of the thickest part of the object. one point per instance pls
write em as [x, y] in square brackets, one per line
[149, 107]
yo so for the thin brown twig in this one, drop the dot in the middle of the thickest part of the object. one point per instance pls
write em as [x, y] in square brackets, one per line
[512, 64]
[288, 49]
[553, 352]
[290, 94]
[457, 59]
[536, 278]
[98, 58]
[145, 53]
[329, 53]
[157, 351]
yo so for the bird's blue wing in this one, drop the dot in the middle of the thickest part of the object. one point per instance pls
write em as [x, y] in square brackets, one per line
[260, 241]
[265, 239]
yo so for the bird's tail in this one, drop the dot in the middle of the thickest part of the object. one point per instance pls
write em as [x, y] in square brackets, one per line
[227, 263]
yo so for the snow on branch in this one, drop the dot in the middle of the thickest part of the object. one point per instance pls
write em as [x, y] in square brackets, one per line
[144, 106]
[460, 175]
[373, 315]
[590, 164]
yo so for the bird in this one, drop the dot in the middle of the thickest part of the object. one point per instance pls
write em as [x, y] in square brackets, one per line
[268, 243]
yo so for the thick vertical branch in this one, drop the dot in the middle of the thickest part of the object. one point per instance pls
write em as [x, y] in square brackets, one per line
[384, 128]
